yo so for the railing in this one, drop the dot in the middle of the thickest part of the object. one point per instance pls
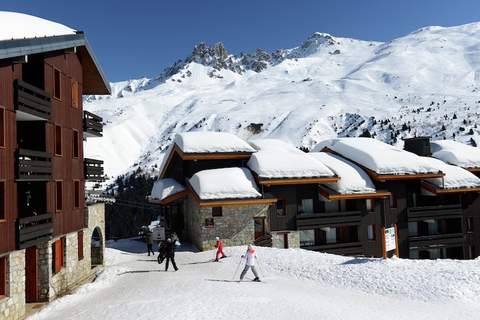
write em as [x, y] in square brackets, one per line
[34, 230]
[328, 219]
[92, 125]
[33, 165]
[348, 248]
[93, 170]
[264, 241]
[436, 240]
[444, 212]
[32, 100]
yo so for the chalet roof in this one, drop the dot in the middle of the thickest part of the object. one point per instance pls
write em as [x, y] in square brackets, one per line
[165, 188]
[379, 157]
[456, 153]
[211, 142]
[224, 183]
[455, 177]
[23, 35]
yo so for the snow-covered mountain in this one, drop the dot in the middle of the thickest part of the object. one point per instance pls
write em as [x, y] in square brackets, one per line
[425, 83]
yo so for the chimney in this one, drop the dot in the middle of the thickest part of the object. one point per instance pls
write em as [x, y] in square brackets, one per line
[418, 145]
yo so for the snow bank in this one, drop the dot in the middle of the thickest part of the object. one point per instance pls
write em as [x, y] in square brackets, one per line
[378, 156]
[278, 159]
[225, 183]
[455, 177]
[14, 25]
[456, 153]
[211, 142]
[352, 178]
[164, 188]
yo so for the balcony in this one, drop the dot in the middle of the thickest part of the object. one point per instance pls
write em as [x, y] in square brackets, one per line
[93, 170]
[437, 240]
[328, 219]
[428, 212]
[34, 230]
[33, 165]
[92, 125]
[31, 103]
[346, 249]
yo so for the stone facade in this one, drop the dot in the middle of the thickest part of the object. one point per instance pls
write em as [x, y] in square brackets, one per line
[12, 307]
[278, 239]
[235, 226]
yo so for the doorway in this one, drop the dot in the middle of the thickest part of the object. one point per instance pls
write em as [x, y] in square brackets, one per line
[31, 274]
[259, 223]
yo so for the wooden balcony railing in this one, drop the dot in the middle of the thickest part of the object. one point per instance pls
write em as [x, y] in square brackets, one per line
[327, 219]
[33, 101]
[33, 165]
[92, 125]
[428, 212]
[449, 239]
[93, 170]
[347, 249]
[34, 230]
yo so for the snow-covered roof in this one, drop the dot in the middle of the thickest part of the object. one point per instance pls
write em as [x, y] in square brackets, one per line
[456, 153]
[352, 178]
[224, 183]
[378, 156]
[277, 159]
[164, 188]
[15, 25]
[455, 177]
[211, 142]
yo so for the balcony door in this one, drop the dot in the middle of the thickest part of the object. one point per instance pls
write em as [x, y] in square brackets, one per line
[31, 274]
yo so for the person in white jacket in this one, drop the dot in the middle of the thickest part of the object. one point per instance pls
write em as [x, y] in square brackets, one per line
[250, 258]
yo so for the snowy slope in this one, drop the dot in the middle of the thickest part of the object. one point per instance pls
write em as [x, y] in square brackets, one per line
[298, 284]
[425, 83]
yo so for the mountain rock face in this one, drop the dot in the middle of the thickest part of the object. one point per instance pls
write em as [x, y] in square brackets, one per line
[425, 83]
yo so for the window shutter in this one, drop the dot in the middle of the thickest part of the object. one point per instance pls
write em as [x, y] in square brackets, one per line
[3, 276]
[80, 245]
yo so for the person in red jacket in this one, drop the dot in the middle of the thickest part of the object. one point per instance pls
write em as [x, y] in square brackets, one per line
[219, 246]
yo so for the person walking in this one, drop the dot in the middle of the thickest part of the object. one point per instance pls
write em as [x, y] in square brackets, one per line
[250, 258]
[162, 251]
[219, 246]
[170, 254]
[149, 241]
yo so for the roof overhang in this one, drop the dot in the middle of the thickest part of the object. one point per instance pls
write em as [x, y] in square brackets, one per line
[332, 195]
[293, 181]
[438, 191]
[169, 199]
[94, 80]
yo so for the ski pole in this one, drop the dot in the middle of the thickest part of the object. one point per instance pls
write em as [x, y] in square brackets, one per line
[236, 270]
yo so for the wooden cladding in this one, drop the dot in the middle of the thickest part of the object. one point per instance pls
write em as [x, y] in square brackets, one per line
[58, 255]
[80, 245]
[33, 165]
[34, 230]
[76, 195]
[75, 94]
[58, 140]
[2, 200]
[58, 195]
[3, 276]
[3, 128]
[92, 125]
[32, 100]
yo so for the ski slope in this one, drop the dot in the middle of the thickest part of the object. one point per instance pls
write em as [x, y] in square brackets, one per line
[297, 284]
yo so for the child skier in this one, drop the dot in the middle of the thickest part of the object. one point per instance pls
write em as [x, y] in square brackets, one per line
[250, 263]
[219, 246]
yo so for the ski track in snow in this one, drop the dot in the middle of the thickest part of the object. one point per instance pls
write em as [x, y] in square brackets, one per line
[297, 284]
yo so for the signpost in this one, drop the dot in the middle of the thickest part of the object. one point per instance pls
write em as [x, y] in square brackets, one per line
[390, 240]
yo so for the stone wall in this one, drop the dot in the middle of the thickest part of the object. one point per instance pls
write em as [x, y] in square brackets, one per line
[278, 239]
[235, 226]
[12, 307]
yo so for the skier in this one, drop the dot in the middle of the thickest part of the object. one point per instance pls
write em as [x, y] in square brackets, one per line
[250, 263]
[149, 241]
[170, 254]
[219, 246]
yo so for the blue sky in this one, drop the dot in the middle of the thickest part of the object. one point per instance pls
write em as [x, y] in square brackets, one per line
[140, 38]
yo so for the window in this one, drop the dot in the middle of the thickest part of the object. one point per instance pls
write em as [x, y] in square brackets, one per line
[76, 196]
[2, 127]
[370, 205]
[371, 232]
[281, 208]
[75, 94]
[469, 222]
[413, 229]
[307, 238]
[58, 140]
[3, 277]
[80, 245]
[2, 201]
[393, 201]
[58, 255]
[59, 195]
[75, 144]
[209, 223]
[57, 84]
[331, 206]
[330, 234]
[306, 206]
[216, 211]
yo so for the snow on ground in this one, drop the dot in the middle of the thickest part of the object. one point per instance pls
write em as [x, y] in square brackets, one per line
[298, 284]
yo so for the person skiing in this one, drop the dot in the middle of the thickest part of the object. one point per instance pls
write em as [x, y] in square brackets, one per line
[170, 254]
[250, 258]
[149, 241]
[219, 246]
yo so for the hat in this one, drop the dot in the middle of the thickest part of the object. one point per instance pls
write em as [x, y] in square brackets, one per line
[250, 246]
[169, 240]
[217, 238]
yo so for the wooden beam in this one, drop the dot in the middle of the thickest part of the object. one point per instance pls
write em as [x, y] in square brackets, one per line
[169, 199]
[473, 170]
[236, 202]
[436, 190]
[290, 181]
[337, 196]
